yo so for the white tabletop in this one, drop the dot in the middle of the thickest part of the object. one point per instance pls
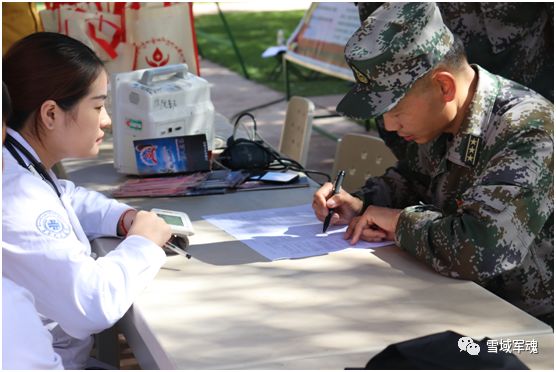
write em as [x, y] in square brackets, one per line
[326, 312]
[229, 308]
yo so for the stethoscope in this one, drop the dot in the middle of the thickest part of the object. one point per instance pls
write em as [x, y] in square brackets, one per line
[36, 167]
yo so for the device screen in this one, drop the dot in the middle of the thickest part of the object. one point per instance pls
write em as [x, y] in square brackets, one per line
[279, 177]
[172, 220]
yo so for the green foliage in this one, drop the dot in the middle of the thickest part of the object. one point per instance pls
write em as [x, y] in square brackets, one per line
[253, 32]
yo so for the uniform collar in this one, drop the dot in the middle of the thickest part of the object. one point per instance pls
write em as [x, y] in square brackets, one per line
[469, 141]
[19, 138]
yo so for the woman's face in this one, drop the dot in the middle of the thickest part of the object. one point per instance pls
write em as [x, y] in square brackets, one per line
[84, 124]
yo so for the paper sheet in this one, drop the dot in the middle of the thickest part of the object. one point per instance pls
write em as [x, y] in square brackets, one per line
[281, 233]
[274, 51]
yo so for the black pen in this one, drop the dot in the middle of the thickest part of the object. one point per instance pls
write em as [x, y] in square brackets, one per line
[335, 191]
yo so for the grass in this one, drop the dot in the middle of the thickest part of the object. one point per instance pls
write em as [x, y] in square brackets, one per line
[253, 32]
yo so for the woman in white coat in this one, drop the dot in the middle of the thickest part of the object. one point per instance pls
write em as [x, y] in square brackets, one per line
[26, 343]
[58, 88]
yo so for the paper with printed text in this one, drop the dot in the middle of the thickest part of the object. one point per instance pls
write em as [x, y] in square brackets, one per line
[281, 233]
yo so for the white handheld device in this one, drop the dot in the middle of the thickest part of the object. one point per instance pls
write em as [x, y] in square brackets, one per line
[179, 222]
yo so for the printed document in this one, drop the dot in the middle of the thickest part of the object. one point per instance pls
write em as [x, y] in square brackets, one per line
[281, 233]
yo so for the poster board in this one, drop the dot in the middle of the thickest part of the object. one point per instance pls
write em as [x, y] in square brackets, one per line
[129, 36]
[319, 40]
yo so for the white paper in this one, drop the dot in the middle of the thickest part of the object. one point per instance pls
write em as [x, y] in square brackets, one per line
[281, 233]
[274, 51]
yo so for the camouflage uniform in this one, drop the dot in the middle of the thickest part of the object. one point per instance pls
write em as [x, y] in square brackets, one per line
[488, 213]
[479, 205]
[514, 40]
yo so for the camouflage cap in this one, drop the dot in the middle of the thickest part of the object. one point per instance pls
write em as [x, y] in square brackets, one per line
[396, 45]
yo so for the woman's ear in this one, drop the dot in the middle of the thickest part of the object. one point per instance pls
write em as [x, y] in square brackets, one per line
[50, 113]
[446, 82]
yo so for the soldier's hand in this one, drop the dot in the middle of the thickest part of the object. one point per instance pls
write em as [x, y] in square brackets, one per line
[376, 224]
[345, 206]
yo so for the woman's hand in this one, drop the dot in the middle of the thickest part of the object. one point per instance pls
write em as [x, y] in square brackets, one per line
[150, 226]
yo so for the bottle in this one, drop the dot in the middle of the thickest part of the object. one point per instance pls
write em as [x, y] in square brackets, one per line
[280, 40]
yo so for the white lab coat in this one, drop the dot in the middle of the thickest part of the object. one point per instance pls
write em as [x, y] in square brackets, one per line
[26, 344]
[49, 254]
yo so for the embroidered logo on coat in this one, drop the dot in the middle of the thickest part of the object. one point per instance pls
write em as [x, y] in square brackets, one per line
[50, 223]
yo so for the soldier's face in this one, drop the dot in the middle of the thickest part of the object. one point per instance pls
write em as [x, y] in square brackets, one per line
[420, 116]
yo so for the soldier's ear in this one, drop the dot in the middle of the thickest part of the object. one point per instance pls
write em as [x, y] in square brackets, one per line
[446, 83]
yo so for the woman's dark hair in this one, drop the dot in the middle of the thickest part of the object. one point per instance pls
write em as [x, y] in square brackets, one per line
[6, 103]
[44, 66]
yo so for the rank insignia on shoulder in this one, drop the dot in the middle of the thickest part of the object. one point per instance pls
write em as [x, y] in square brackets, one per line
[472, 146]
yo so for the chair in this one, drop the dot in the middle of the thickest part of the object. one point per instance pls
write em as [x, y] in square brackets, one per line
[296, 133]
[361, 156]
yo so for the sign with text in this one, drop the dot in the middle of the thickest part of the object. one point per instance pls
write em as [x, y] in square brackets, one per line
[319, 40]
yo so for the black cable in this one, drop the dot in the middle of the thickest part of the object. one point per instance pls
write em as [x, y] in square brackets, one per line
[299, 167]
[243, 114]
[258, 107]
[283, 162]
[220, 164]
[11, 145]
[293, 165]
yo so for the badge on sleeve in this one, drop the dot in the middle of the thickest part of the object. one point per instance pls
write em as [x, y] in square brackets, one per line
[51, 224]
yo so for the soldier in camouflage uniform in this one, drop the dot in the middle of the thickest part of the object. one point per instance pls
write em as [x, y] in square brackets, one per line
[514, 40]
[473, 197]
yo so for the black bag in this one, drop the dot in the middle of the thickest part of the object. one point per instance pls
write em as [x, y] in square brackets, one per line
[441, 351]
[242, 153]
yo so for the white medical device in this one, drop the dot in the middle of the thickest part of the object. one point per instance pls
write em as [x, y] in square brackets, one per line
[179, 222]
[157, 103]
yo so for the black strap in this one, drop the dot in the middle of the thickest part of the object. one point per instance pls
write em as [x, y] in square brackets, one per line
[236, 124]
[11, 144]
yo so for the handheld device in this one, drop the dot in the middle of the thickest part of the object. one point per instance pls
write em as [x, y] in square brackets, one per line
[181, 228]
[179, 222]
[279, 177]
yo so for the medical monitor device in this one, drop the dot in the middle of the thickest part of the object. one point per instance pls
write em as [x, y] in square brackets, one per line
[179, 222]
[157, 103]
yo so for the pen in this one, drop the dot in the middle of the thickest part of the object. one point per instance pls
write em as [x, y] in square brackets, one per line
[335, 191]
[176, 249]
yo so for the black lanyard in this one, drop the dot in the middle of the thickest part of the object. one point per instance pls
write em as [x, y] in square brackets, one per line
[11, 144]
